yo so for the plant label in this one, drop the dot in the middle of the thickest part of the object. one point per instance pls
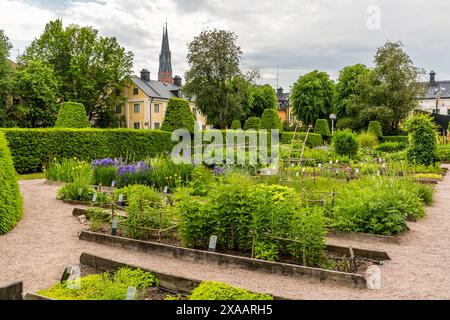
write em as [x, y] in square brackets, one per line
[337, 161]
[357, 171]
[373, 277]
[320, 166]
[331, 162]
[72, 276]
[212, 244]
[166, 189]
[131, 293]
[115, 222]
[80, 192]
[120, 201]
[113, 184]
[94, 198]
[378, 173]
[297, 174]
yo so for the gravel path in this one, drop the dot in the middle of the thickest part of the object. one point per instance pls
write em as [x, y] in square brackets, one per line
[46, 240]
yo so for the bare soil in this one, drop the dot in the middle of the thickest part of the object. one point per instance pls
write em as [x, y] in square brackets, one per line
[46, 241]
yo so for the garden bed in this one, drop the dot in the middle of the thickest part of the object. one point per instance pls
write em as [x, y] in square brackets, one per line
[289, 269]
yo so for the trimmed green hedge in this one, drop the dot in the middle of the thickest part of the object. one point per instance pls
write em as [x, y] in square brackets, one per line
[11, 199]
[33, 148]
[72, 115]
[399, 139]
[314, 139]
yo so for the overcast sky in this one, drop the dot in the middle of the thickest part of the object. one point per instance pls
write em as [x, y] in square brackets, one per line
[304, 34]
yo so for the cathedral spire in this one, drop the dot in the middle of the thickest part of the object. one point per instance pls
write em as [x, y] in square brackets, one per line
[165, 59]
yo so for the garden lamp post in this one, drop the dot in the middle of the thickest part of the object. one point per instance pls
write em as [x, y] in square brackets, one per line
[333, 117]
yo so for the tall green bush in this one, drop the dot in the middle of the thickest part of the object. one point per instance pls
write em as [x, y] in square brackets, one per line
[252, 123]
[236, 125]
[345, 143]
[322, 128]
[375, 129]
[34, 148]
[423, 140]
[178, 116]
[72, 115]
[271, 120]
[10, 197]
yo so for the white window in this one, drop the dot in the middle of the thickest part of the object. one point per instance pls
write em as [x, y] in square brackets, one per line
[137, 108]
[137, 125]
[157, 125]
[156, 108]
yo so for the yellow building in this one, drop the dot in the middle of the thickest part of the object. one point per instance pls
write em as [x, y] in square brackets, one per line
[146, 99]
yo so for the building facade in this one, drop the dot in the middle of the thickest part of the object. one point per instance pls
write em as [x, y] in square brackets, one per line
[146, 99]
[437, 96]
[284, 106]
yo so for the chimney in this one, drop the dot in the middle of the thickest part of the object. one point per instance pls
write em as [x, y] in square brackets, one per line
[145, 75]
[432, 78]
[279, 91]
[178, 81]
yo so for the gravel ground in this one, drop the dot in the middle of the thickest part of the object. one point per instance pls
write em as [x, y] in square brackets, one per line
[46, 241]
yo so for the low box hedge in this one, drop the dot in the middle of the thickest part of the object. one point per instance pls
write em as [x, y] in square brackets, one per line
[398, 139]
[33, 148]
[314, 139]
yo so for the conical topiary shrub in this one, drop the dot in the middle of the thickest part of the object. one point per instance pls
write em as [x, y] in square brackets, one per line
[271, 120]
[252, 123]
[236, 125]
[178, 116]
[11, 199]
[72, 115]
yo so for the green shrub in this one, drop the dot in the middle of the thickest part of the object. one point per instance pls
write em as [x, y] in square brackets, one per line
[210, 290]
[349, 123]
[377, 205]
[270, 120]
[390, 147]
[423, 147]
[322, 128]
[399, 139]
[72, 115]
[314, 140]
[33, 149]
[367, 140]
[178, 116]
[11, 199]
[104, 286]
[444, 152]
[375, 129]
[345, 143]
[252, 123]
[79, 189]
[236, 125]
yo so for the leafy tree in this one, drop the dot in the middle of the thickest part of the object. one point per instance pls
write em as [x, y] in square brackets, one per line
[221, 91]
[5, 77]
[263, 97]
[389, 92]
[423, 140]
[271, 120]
[88, 68]
[36, 86]
[346, 88]
[312, 97]
[178, 116]
[72, 115]
[252, 123]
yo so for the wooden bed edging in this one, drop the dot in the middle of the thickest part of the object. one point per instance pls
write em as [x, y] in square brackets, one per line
[12, 291]
[322, 275]
[362, 236]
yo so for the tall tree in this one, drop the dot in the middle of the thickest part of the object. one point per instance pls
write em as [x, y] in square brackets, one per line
[346, 88]
[89, 69]
[312, 97]
[263, 97]
[220, 89]
[389, 92]
[37, 88]
[5, 77]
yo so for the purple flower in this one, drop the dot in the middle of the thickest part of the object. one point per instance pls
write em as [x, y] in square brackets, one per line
[218, 171]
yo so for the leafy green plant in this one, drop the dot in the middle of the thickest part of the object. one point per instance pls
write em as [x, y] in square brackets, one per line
[266, 251]
[79, 189]
[367, 140]
[375, 129]
[72, 115]
[67, 170]
[423, 147]
[236, 125]
[97, 217]
[322, 128]
[390, 147]
[271, 120]
[11, 204]
[104, 286]
[345, 143]
[252, 123]
[178, 116]
[210, 290]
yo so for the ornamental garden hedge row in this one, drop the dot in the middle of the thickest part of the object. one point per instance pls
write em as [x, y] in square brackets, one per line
[33, 148]
[11, 200]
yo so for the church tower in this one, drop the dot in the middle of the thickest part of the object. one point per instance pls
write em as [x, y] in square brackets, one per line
[165, 59]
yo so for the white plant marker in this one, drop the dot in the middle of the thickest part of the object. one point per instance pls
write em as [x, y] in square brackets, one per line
[131, 293]
[74, 279]
[212, 244]
[373, 278]
[94, 198]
